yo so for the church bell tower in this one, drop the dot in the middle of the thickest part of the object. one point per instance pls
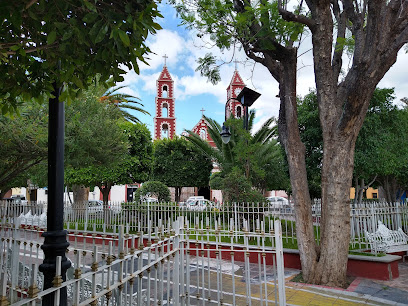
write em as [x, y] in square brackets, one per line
[165, 121]
[233, 106]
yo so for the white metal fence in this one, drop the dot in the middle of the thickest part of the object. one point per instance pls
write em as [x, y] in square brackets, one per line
[160, 255]
[140, 217]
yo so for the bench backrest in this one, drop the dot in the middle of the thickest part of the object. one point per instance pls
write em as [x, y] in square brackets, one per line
[384, 238]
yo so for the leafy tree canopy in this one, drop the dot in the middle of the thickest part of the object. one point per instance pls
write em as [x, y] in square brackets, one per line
[257, 156]
[230, 24]
[103, 148]
[177, 163]
[64, 42]
[153, 189]
[381, 147]
[23, 144]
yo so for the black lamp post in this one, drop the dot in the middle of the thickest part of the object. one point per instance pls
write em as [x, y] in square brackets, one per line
[247, 97]
[55, 242]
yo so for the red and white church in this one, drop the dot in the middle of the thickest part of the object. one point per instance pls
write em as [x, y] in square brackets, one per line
[165, 120]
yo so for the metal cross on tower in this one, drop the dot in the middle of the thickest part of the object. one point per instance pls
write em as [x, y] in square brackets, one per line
[202, 111]
[236, 64]
[165, 58]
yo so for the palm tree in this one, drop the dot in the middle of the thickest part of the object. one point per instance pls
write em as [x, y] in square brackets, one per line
[262, 148]
[124, 102]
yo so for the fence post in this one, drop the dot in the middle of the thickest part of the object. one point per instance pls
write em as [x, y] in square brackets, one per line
[14, 268]
[3, 284]
[279, 263]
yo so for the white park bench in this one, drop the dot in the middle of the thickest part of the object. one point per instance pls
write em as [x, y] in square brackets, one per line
[388, 241]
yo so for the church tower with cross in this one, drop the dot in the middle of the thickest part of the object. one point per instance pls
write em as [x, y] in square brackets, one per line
[165, 120]
[201, 129]
[233, 107]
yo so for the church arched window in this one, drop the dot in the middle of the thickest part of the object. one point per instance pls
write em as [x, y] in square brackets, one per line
[165, 92]
[239, 111]
[165, 110]
[165, 131]
[203, 134]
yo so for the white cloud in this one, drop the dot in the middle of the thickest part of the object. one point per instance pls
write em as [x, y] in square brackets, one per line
[164, 42]
[182, 56]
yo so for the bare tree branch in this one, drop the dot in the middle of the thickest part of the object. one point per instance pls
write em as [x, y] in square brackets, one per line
[289, 16]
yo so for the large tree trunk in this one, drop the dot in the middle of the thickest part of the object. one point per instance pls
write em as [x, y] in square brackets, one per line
[177, 194]
[337, 173]
[105, 189]
[295, 152]
[81, 194]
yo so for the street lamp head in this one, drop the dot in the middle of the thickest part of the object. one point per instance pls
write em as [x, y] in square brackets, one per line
[225, 134]
[247, 96]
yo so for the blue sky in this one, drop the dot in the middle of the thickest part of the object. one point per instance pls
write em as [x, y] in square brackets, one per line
[193, 92]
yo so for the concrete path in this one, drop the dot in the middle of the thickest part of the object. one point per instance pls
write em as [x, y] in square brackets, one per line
[361, 292]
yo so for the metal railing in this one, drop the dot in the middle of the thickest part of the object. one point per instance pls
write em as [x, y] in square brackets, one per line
[141, 216]
[190, 257]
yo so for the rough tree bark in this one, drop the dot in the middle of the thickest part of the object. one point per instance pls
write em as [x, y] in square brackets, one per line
[379, 29]
[105, 190]
[80, 195]
[342, 108]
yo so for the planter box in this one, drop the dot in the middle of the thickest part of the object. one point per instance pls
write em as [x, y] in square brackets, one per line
[381, 268]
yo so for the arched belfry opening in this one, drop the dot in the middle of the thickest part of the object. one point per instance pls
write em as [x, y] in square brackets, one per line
[165, 92]
[203, 134]
[165, 110]
[165, 131]
[239, 111]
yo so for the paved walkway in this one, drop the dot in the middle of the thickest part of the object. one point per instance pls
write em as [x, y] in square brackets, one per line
[361, 292]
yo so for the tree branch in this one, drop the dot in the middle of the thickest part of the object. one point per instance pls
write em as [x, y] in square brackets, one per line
[32, 50]
[289, 16]
[30, 3]
[339, 47]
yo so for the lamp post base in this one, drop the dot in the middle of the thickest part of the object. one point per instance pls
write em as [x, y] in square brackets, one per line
[55, 244]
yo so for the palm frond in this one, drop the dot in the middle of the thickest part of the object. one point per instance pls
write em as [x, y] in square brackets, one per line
[124, 102]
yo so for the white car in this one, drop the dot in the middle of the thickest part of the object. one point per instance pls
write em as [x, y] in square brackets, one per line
[279, 203]
[96, 207]
[199, 205]
[150, 200]
[195, 198]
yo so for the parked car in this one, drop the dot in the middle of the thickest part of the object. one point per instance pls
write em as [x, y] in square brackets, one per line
[194, 198]
[279, 204]
[150, 200]
[199, 205]
[95, 207]
[16, 199]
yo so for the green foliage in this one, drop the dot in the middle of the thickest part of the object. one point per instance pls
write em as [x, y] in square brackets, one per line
[177, 163]
[67, 43]
[124, 102]
[257, 156]
[93, 135]
[311, 135]
[153, 189]
[237, 188]
[381, 147]
[23, 144]
[229, 24]
[102, 148]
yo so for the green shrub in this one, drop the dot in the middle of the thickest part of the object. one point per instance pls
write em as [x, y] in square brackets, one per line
[153, 189]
